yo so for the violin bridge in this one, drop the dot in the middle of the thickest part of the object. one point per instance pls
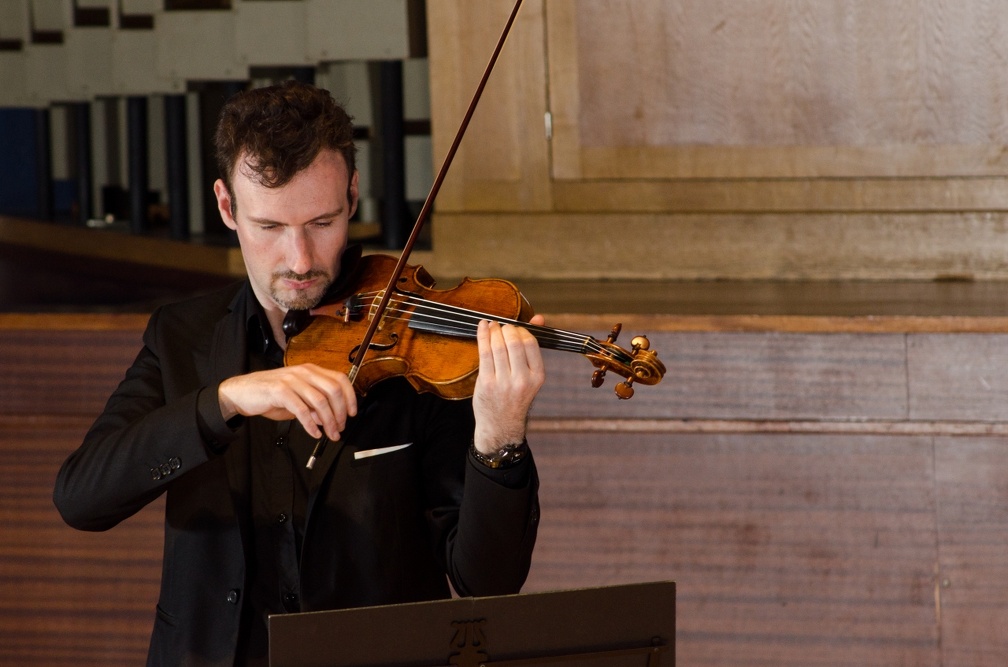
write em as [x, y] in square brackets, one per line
[374, 308]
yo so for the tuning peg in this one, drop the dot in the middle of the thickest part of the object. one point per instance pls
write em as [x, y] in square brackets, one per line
[624, 390]
[640, 343]
[598, 377]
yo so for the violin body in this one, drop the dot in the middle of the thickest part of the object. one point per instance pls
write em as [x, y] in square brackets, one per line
[442, 363]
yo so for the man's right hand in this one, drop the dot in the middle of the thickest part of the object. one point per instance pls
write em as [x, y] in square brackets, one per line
[315, 396]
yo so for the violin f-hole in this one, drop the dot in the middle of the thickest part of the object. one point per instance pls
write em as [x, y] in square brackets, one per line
[380, 347]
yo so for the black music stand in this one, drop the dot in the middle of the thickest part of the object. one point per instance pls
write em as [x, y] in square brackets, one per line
[613, 626]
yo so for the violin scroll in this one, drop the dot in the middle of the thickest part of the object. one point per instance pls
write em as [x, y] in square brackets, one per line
[639, 364]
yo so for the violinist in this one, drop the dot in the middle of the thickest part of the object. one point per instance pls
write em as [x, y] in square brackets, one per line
[411, 492]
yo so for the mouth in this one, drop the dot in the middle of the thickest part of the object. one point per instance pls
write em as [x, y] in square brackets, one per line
[299, 291]
[298, 285]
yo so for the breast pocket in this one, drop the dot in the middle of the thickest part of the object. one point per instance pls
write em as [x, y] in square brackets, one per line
[379, 455]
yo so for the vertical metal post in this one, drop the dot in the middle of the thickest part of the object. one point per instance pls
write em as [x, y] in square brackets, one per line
[395, 225]
[136, 130]
[178, 165]
[85, 172]
[43, 165]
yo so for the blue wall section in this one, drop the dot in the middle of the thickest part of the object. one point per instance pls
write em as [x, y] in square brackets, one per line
[18, 163]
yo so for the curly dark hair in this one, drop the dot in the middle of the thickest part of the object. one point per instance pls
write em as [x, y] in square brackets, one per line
[279, 130]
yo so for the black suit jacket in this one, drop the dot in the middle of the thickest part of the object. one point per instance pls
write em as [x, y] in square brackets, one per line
[380, 529]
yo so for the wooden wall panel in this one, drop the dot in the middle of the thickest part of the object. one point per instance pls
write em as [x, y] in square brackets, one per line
[765, 375]
[809, 140]
[971, 370]
[67, 597]
[729, 89]
[504, 160]
[63, 372]
[807, 491]
[786, 550]
[972, 497]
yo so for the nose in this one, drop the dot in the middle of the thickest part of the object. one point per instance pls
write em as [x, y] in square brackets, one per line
[299, 258]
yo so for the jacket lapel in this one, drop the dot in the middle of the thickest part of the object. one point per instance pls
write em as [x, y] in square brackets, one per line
[228, 354]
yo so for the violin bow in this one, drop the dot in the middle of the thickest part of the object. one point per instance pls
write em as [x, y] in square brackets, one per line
[429, 202]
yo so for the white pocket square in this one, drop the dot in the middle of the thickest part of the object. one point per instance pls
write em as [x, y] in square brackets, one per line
[366, 453]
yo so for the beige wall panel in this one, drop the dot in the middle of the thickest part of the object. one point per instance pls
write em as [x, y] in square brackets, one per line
[197, 45]
[724, 88]
[14, 20]
[272, 33]
[89, 62]
[13, 86]
[46, 72]
[357, 30]
[502, 162]
[745, 247]
[135, 65]
[51, 15]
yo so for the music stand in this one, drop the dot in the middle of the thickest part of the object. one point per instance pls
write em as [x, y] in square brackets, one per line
[613, 626]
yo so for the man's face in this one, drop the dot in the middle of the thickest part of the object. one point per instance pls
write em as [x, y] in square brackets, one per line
[292, 237]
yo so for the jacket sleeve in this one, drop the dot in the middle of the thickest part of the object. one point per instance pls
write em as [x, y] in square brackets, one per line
[492, 550]
[135, 448]
[487, 523]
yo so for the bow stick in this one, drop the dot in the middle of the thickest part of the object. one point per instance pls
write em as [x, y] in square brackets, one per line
[429, 202]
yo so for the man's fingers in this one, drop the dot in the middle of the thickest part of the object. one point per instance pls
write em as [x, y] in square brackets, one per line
[318, 398]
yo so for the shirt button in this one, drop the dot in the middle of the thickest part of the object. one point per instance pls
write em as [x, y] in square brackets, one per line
[233, 596]
[282, 518]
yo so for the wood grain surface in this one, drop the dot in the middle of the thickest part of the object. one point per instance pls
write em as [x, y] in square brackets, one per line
[813, 497]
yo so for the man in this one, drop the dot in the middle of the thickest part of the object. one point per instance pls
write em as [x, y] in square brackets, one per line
[412, 488]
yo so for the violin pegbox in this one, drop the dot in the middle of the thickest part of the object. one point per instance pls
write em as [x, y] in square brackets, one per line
[639, 364]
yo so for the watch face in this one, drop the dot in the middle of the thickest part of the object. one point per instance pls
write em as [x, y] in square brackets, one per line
[506, 456]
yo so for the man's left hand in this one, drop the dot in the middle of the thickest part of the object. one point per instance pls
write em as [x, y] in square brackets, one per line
[510, 375]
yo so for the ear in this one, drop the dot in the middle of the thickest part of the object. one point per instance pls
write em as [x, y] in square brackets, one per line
[354, 193]
[224, 202]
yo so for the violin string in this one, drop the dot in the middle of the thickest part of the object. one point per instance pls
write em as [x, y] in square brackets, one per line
[463, 322]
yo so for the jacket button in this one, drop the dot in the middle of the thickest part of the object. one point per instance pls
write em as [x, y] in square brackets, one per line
[175, 463]
[165, 470]
[232, 596]
[155, 474]
[281, 518]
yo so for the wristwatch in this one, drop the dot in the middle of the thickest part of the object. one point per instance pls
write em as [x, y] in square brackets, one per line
[505, 457]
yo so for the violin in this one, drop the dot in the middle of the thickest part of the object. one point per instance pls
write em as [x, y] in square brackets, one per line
[427, 335]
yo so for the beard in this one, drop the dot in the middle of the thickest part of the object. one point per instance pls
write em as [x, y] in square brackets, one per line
[300, 299]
